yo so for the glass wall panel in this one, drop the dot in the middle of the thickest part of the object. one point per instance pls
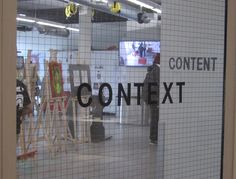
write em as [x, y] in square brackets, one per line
[98, 74]
[192, 66]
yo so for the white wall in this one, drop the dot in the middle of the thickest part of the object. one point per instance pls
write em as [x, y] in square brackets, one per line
[41, 44]
[150, 31]
[110, 33]
[107, 34]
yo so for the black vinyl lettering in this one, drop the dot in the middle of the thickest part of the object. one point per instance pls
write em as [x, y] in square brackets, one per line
[100, 94]
[180, 84]
[139, 85]
[150, 93]
[167, 95]
[186, 63]
[126, 97]
[199, 63]
[179, 63]
[207, 64]
[84, 85]
[171, 67]
[213, 65]
[193, 60]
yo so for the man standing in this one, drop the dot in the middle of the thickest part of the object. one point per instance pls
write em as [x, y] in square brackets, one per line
[23, 104]
[141, 49]
[151, 96]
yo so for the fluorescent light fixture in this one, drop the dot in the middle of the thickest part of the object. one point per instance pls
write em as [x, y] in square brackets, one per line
[145, 5]
[157, 10]
[22, 15]
[141, 4]
[51, 24]
[25, 20]
[72, 29]
[68, 1]
[104, 1]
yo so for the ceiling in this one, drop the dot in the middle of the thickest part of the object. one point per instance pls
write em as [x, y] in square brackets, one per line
[53, 10]
[51, 4]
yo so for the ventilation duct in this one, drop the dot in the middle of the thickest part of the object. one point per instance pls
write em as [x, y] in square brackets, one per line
[126, 11]
[24, 28]
[53, 31]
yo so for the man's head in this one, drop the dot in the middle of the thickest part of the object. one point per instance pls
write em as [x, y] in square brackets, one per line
[156, 59]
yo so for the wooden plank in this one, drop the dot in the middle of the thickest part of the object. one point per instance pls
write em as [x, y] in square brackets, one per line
[8, 89]
[232, 56]
[27, 155]
[229, 163]
[1, 14]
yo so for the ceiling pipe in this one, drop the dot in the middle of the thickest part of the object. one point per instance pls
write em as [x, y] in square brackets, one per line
[126, 12]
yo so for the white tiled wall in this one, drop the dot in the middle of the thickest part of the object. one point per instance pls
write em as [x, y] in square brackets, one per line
[193, 128]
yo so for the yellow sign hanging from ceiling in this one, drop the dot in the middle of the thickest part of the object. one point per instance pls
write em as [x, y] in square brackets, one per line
[70, 10]
[116, 7]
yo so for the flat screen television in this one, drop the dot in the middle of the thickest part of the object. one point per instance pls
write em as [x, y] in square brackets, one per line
[137, 53]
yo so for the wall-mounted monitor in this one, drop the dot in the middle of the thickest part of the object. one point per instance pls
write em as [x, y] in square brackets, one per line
[137, 53]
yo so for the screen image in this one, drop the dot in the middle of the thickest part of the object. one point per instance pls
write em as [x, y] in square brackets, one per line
[137, 53]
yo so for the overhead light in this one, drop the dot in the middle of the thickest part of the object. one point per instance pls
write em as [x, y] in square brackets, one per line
[145, 5]
[47, 24]
[72, 29]
[141, 4]
[157, 10]
[51, 24]
[103, 1]
[22, 15]
[25, 20]
[67, 1]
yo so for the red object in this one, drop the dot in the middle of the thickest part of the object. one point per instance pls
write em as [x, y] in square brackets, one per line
[26, 155]
[66, 102]
[56, 82]
[142, 61]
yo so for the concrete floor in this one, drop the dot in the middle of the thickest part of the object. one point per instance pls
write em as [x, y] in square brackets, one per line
[126, 155]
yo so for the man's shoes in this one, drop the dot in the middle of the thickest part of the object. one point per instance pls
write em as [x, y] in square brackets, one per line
[153, 142]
